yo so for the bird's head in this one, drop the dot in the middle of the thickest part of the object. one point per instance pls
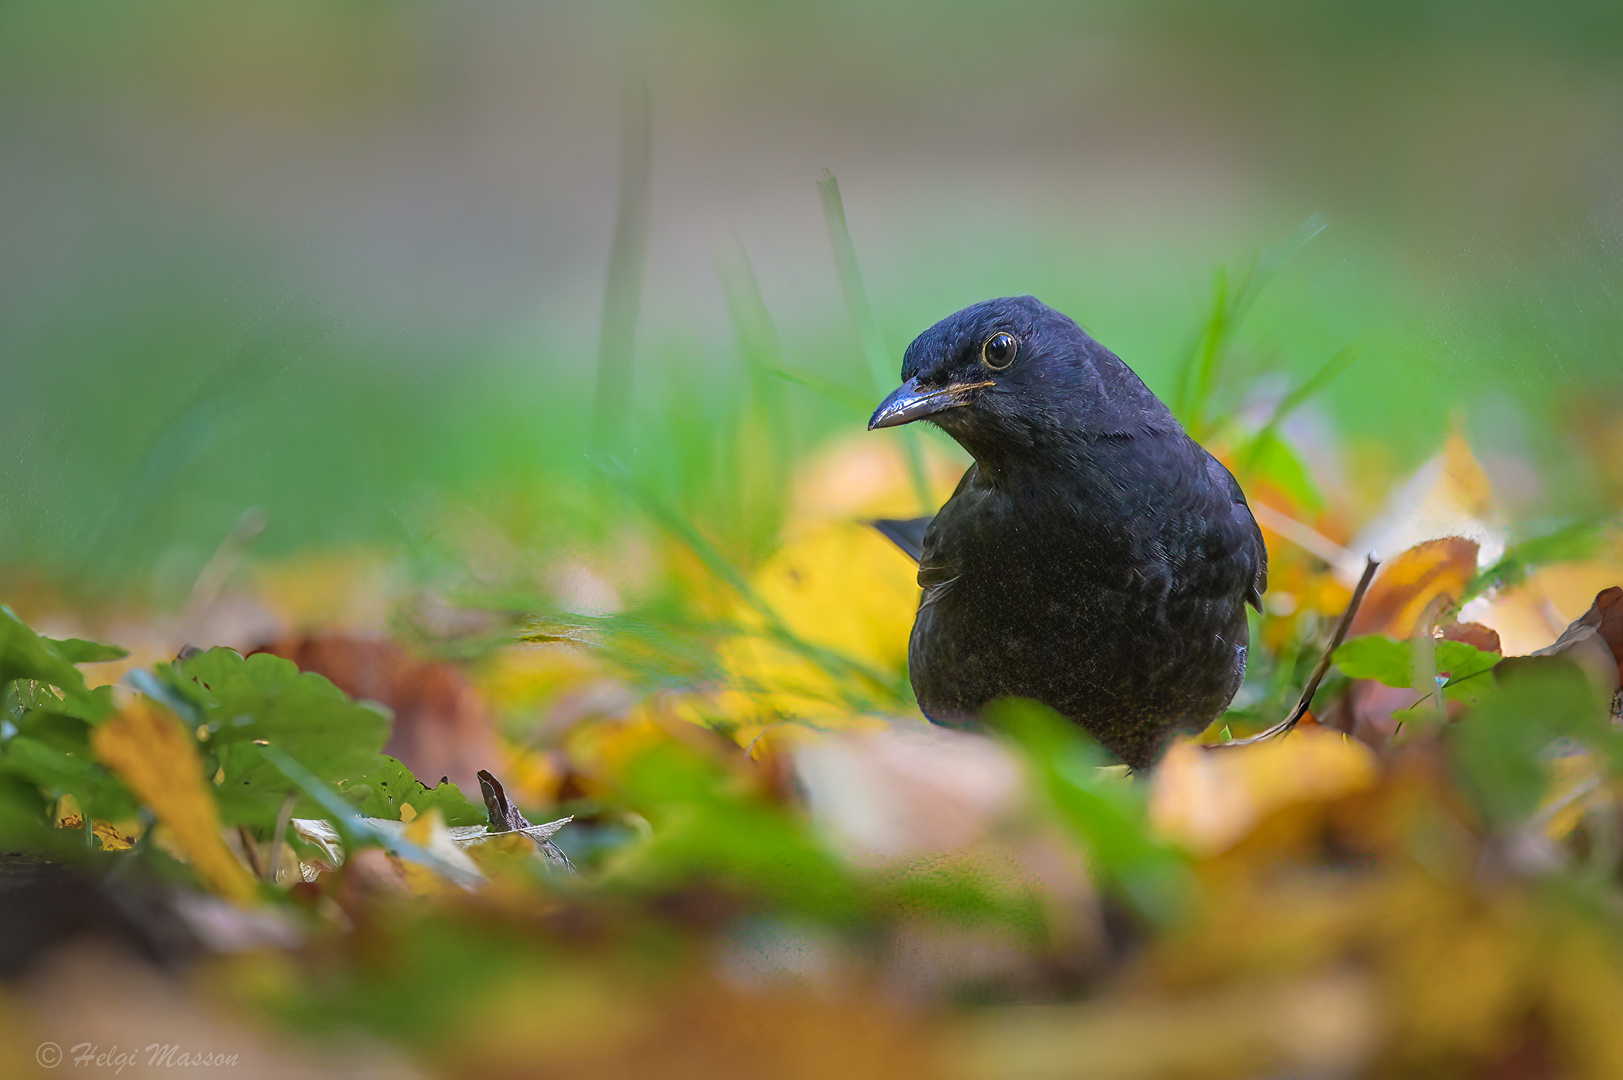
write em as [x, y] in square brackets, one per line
[1012, 375]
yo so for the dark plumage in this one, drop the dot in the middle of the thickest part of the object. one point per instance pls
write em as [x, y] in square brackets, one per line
[1094, 558]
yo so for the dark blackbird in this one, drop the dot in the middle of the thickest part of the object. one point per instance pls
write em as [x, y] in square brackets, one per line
[1094, 558]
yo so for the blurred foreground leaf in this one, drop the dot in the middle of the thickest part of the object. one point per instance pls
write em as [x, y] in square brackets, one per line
[1501, 752]
[148, 747]
[1103, 808]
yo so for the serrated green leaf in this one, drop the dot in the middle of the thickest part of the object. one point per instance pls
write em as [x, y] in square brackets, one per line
[1377, 657]
[381, 792]
[266, 700]
[50, 712]
[24, 825]
[98, 791]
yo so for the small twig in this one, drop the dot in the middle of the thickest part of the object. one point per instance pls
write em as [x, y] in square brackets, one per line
[1308, 539]
[250, 850]
[212, 578]
[1284, 726]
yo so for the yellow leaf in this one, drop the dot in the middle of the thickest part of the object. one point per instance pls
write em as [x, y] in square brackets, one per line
[1576, 782]
[1206, 800]
[839, 587]
[864, 477]
[428, 831]
[1448, 496]
[147, 746]
[116, 835]
[1532, 614]
[522, 679]
[68, 814]
[530, 776]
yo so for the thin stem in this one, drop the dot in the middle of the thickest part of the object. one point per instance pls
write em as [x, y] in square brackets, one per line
[1319, 670]
[278, 835]
[873, 342]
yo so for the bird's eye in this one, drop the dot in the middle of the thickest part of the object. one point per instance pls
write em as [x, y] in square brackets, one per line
[998, 352]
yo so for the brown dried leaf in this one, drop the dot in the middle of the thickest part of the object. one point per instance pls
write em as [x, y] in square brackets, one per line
[441, 726]
[1483, 638]
[1594, 640]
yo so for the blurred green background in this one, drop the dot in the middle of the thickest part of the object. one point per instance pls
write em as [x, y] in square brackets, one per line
[345, 262]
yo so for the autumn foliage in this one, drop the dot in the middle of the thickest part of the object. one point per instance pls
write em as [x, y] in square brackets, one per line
[766, 864]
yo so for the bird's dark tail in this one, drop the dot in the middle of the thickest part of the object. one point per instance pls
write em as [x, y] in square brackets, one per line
[905, 533]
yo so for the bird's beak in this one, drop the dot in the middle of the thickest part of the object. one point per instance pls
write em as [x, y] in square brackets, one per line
[908, 403]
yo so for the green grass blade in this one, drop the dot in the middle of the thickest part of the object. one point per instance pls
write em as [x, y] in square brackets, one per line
[1293, 400]
[622, 292]
[873, 343]
[1232, 297]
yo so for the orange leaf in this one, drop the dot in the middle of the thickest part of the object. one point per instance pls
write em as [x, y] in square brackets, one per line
[1408, 584]
[155, 755]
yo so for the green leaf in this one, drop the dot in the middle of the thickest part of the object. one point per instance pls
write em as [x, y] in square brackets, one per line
[265, 699]
[386, 787]
[46, 746]
[1105, 811]
[1391, 662]
[58, 772]
[26, 655]
[24, 816]
[80, 651]
[1499, 750]
[1576, 541]
[356, 831]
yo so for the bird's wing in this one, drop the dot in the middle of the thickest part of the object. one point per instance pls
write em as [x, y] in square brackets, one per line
[905, 533]
[912, 536]
[939, 562]
[1252, 547]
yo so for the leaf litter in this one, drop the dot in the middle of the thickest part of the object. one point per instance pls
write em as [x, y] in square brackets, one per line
[756, 860]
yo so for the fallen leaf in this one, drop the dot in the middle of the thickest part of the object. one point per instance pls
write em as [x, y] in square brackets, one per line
[840, 588]
[441, 726]
[1448, 496]
[1204, 801]
[154, 754]
[907, 789]
[447, 864]
[1595, 634]
[1410, 583]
